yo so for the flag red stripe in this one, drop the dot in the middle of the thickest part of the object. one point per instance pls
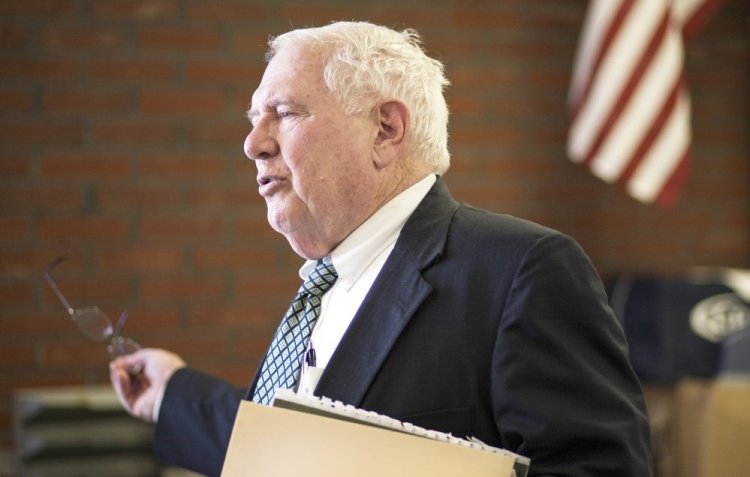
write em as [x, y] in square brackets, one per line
[671, 189]
[627, 92]
[699, 17]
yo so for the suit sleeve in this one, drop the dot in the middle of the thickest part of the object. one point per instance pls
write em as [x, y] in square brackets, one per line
[195, 422]
[563, 389]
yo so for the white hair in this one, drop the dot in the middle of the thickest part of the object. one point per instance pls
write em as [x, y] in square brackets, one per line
[367, 63]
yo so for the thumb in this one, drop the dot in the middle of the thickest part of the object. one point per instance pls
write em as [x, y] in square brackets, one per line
[121, 384]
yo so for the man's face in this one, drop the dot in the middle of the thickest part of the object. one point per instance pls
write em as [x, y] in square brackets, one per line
[314, 163]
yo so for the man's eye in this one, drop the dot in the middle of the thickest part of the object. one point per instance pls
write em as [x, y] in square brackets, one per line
[285, 114]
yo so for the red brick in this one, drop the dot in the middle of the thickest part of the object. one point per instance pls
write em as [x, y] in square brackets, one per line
[127, 197]
[176, 38]
[74, 352]
[477, 79]
[11, 167]
[16, 355]
[14, 229]
[514, 106]
[545, 79]
[133, 132]
[194, 348]
[244, 74]
[488, 195]
[39, 68]
[182, 102]
[269, 285]
[248, 315]
[136, 10]
[82, 37]
[43, 378]
[253, 41]
[186, 289]
[257, 228]
[15, 100]
[27, 131]
[402, 16]
[132, 69]
[186, 229]
[85, 166]
[482, 134]
[175, 164]
[65, 101]
[546, 53]
[526, 170]
[27, 198]
[214, 132]
[307, 14]
[15, 292]
[84, 289]
[447, 46]
[37, 8]
[13, 36]
[225, 12]
[244, 96]
[253, 348]
[82, 228]
[227, 196]
[6, 422]
[24, 263]
[465, 104]
[143, 322]
[484, 19]
[141, 259]
[231, 257]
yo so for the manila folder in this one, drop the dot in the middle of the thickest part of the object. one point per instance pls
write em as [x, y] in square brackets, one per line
[272, 441]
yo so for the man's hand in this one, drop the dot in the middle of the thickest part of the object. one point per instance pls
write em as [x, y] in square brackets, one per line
[140, 378]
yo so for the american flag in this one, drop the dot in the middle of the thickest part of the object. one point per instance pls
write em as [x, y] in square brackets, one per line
[629, 102]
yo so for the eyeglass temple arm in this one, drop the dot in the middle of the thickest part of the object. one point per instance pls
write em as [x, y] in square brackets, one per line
[53, 285]
[120, 323]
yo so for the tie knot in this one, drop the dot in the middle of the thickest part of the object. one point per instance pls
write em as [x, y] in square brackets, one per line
[320, 279]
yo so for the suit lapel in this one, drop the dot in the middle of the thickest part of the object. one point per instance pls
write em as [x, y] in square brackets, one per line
[393, 299]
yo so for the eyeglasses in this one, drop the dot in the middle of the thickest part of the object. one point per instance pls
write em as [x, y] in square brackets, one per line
[93, 322]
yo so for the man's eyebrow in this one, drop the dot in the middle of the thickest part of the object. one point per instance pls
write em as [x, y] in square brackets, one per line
[273, 104]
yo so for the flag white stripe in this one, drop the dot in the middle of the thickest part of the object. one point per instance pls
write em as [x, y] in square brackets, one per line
[666, 154]
[683, 10]
[595, 25]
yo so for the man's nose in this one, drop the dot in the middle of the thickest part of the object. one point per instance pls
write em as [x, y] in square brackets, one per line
[260, 143]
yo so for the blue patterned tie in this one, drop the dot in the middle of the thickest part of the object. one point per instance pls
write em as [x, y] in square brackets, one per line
[281, 368]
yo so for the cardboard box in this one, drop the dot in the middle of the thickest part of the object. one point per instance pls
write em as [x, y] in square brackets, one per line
[726, 440]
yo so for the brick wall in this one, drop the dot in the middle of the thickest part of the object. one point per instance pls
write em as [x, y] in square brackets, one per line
[121, 134]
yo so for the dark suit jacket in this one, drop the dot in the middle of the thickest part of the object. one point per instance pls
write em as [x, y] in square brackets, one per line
[479, 325]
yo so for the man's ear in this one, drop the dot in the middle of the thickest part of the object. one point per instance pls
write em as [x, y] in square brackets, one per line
[393, 124]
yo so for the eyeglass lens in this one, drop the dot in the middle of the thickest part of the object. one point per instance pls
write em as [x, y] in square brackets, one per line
[94, 323]
[120, 346]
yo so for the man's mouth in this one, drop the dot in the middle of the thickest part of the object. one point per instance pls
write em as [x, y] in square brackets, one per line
[267, 184]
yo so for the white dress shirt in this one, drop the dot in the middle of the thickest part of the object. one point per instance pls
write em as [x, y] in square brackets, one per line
[358, 260]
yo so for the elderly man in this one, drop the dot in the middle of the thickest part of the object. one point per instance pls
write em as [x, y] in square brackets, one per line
[416, 306]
